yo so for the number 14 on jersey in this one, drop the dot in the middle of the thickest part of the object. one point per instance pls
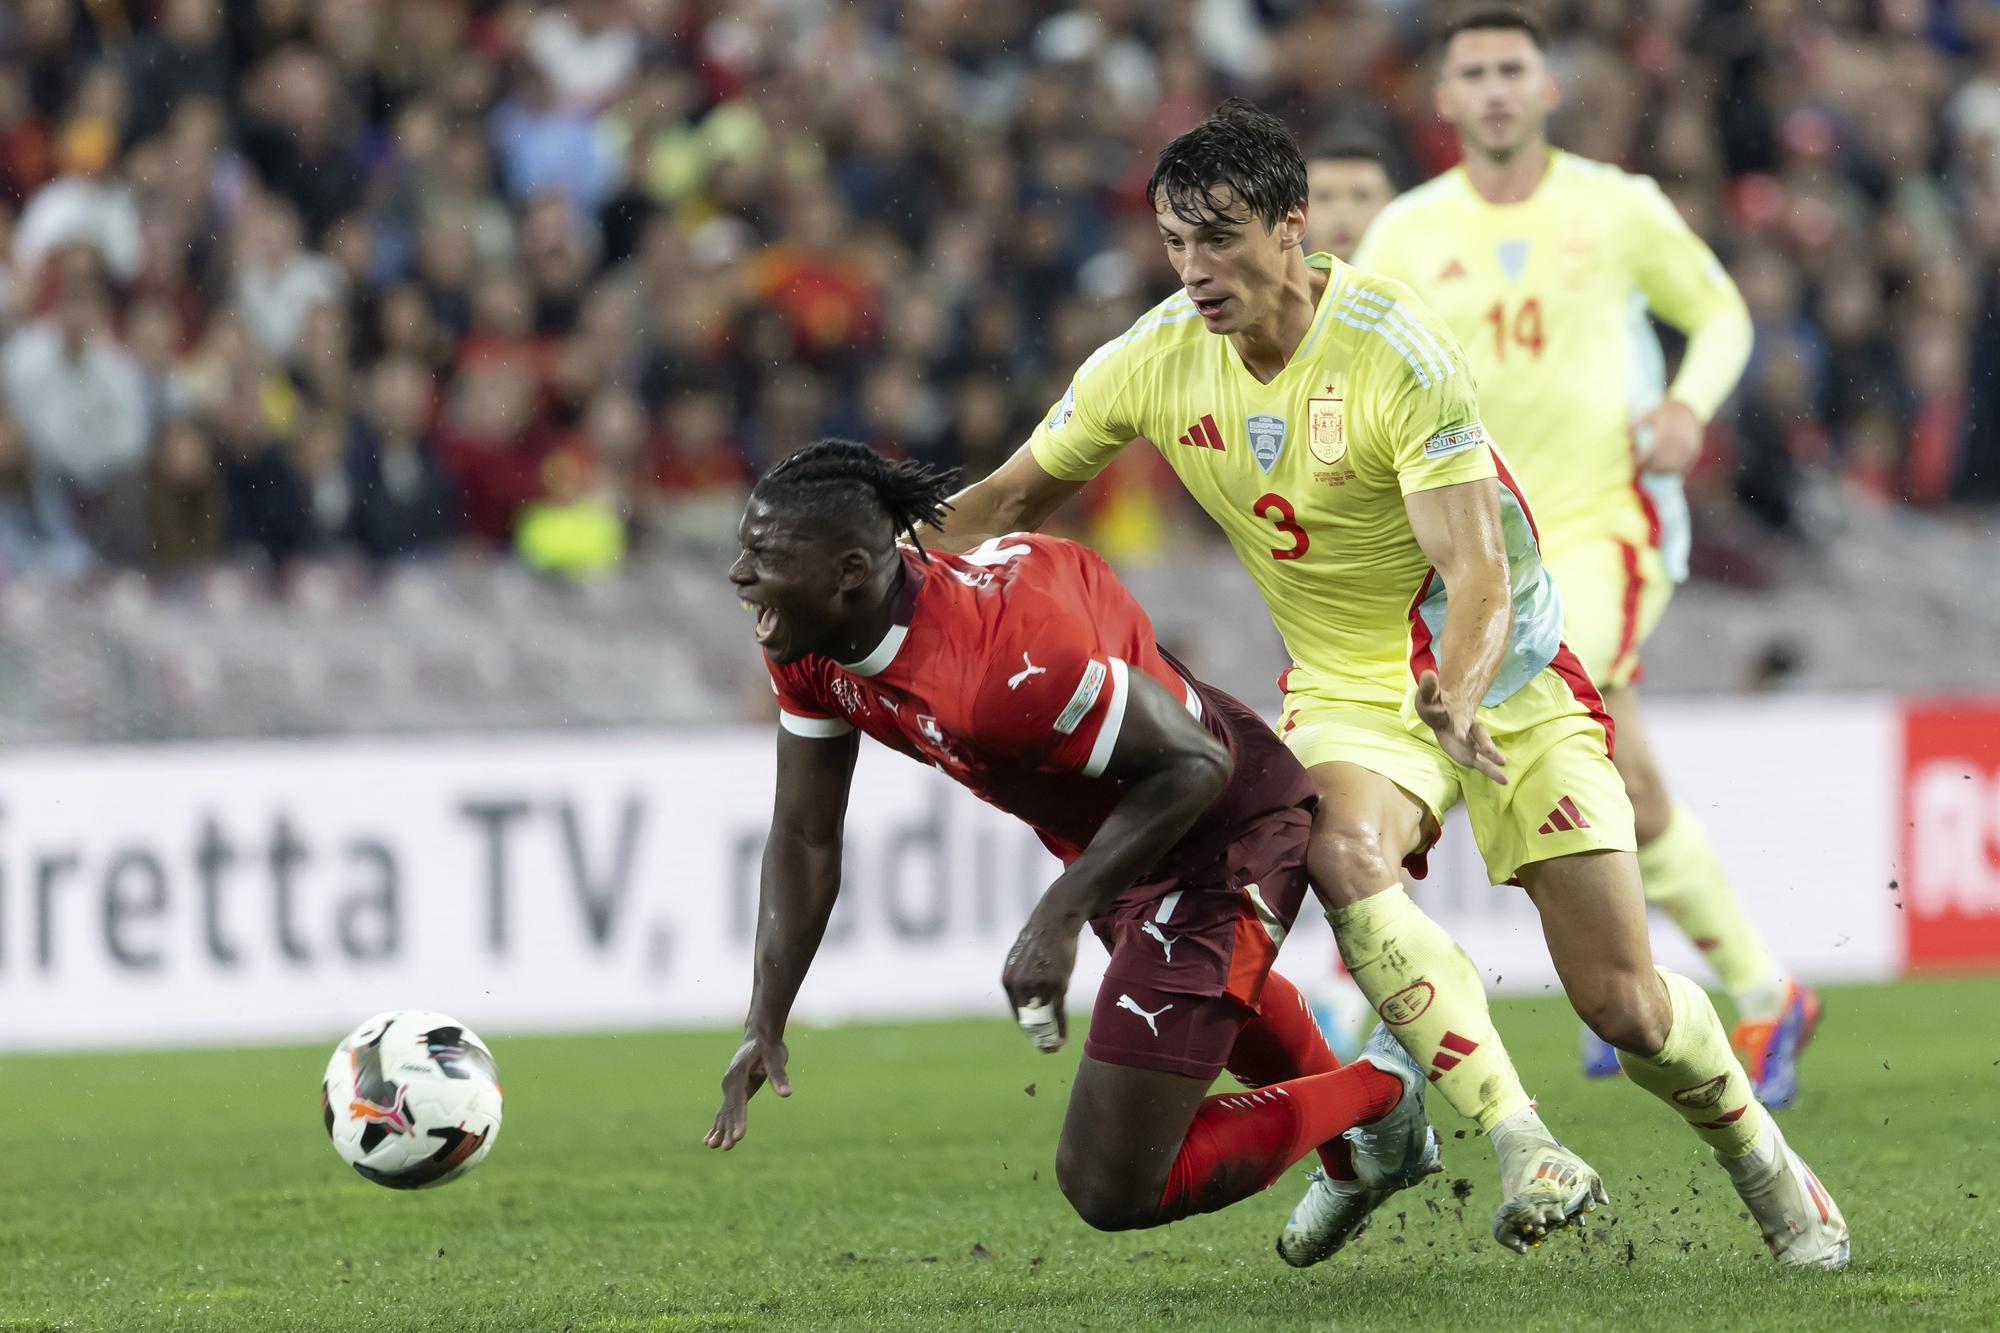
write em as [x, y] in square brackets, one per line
[1522, 326]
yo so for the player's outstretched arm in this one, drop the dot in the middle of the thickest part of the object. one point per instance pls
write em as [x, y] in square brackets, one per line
[796, 893]
[1459, 529]
[1017, 496]
[1172, 770]
[1687, 286]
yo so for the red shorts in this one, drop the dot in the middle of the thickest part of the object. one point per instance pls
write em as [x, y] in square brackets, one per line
[1188, 965]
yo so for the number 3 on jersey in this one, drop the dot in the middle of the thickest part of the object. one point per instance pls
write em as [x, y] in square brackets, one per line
[1286, 520]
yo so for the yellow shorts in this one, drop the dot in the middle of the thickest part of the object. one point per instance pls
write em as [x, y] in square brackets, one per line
[1614, 592]
[1563, 795]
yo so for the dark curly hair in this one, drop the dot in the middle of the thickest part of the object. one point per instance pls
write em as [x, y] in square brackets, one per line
[1239, 150]
[834, 481]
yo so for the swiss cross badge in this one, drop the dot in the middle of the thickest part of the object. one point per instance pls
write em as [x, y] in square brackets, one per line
[1326, 430]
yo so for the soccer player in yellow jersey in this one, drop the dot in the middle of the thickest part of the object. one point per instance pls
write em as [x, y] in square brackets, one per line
[1545, 264]
[1347, 184]
[1327, 421]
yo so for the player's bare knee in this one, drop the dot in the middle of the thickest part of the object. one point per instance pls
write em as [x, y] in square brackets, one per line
[1629, 1012]
[1347, 863]
[1102, 1203]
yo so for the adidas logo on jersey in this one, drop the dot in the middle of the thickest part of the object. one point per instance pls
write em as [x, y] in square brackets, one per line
[1203, 435]
[1565, 818]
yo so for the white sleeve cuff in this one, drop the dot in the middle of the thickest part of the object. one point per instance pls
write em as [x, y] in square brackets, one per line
[1114, 719]
[814, 728]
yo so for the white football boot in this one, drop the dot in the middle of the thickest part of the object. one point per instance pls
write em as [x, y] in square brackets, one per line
[1800, 1221]
[1391, 1154]
[1545, 1186]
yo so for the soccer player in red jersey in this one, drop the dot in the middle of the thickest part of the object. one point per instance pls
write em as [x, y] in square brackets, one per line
[1025, 671]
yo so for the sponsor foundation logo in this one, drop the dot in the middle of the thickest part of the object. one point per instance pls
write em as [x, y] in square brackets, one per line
[1455, 441]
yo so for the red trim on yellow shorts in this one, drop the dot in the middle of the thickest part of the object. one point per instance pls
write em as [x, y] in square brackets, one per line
[1650, 510]
[1628, 617]
[1580, 684]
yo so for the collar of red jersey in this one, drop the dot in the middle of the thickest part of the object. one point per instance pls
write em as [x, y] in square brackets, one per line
[883, 653]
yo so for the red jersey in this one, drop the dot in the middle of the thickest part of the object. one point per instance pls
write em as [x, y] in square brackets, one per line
[1009, 668]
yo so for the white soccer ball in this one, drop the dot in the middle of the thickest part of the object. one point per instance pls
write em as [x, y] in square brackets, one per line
[1343, 1013]
[411, 1099]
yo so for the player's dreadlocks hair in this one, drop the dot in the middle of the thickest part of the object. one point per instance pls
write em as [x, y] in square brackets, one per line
[1238, 150]
[834, 478]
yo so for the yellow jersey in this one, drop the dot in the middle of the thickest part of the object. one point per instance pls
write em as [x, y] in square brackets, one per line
[1549, 297]
[1306, 474]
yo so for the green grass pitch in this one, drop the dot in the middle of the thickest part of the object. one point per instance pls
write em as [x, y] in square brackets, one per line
[908, 1185]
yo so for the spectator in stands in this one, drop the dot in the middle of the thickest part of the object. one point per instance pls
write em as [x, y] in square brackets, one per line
[81, 402]
[698, 479]
[321, 457]
[187, 506]
[27, 156]
[270, 516]
[297, 137]
[405, 504]
[574, 528]
[87, 204]
[186, 56]
[587, 51]
[279, 283]
[549, 148]
[37, 535]
[908, 222]
[492, 444]
[1978, 479]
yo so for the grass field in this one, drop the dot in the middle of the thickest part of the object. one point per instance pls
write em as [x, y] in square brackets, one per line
[907, 1184]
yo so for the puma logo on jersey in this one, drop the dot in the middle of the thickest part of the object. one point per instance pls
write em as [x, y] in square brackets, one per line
[1127, 1002]
[1167, 942]
[1020, 678]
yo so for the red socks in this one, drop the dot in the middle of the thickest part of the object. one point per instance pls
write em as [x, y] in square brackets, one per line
[1242, 1142]
[1301, 1099]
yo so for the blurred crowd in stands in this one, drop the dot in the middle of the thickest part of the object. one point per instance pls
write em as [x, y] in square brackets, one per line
[372, 280]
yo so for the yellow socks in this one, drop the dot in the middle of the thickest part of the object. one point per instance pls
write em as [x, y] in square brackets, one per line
[1430, 995]
[1684, 880]
[1697, 1074]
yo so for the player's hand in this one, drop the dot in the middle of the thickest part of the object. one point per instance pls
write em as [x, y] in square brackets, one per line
[758, 1060]
[1668, 438]
[1466, 742]
[1036, 978]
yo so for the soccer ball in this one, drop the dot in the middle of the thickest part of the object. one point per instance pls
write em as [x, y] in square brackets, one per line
[411, 1099]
